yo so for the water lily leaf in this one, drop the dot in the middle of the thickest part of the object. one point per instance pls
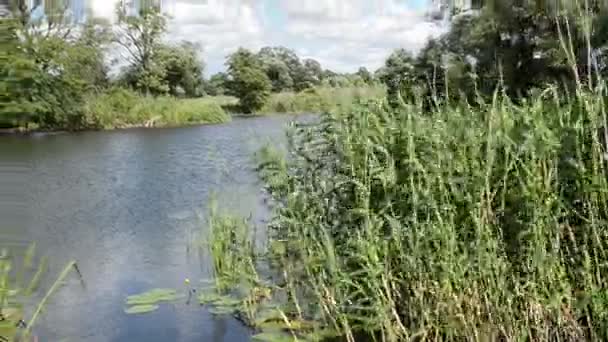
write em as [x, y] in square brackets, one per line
[153, 297]
[140, 309]
[273, 336]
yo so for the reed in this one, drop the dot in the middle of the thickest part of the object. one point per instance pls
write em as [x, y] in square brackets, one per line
[466, 223]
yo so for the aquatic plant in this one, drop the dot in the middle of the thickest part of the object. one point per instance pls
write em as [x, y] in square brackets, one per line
[482, 223]
[15, 289]
[148, 301]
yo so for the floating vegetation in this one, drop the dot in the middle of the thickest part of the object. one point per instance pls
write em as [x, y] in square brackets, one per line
[140, 309]
[148, 301]
[153, 297]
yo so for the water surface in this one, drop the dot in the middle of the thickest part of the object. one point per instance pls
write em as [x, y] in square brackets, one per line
[124, 204]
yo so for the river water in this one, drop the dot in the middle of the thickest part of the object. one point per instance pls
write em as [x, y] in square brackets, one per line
[127, 206]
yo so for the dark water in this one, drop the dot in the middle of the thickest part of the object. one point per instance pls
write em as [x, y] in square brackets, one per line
[125, 205]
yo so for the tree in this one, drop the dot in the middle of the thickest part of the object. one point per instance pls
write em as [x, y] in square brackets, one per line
[308, 75]
[140, 37]
[365, 75]
[282, 66]
[218, 84]
[398, 74]
[49, 67]
[183, 69]
[248, 81]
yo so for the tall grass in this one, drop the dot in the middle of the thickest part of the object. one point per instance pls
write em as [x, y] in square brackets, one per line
[20, 278]
[317, 100]
[121, 108]
[486, 223]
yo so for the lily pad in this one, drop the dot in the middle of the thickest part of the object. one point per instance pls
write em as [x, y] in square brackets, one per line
[140, 309]
[153, 297]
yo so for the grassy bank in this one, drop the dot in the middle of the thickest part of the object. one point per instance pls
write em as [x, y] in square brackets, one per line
[480, 224]
[318, 100]
[121, 108]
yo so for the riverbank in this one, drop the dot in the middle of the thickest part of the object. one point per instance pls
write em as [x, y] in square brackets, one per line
[123, 109]
[484, 222]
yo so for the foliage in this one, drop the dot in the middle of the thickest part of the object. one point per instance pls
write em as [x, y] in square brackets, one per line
[140, 37]
[20, 274]
[119, 108]
[458, 224]
[217, 85]
[517, 46]
[248, 81]
[47, 69]
[183, 69]
[318, 100]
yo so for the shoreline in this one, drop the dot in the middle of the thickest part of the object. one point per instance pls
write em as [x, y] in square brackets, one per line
[20, 131]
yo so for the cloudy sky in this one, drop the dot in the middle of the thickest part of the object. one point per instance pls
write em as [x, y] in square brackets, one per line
[341, 34]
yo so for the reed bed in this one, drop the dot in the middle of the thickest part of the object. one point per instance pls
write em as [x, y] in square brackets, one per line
[465, 223]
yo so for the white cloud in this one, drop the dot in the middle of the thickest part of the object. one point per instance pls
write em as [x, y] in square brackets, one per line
[341, 34]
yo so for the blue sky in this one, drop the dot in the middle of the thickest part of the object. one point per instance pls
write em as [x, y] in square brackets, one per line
[341, 34]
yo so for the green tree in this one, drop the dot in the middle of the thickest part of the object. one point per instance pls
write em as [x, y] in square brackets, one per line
[308, 75]
[49, 66]
[140, 36]
[183, 69]
[218, 84]
[282, 66]
[248, 81]
[365, 75]
[398, 74]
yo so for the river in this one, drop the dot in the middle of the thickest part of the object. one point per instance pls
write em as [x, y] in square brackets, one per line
[126, 205]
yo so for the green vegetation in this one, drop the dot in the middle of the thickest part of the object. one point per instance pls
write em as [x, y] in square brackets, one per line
[20, 275]
[55, 75]
[518, 46]
[486, 222]
[120, 108]
[320, 99]
[248, 81]
[471, 208]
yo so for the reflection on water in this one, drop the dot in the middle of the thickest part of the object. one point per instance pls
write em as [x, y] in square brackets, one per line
[125, 205]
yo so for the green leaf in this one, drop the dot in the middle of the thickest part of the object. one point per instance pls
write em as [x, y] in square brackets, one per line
[140, 309]
[152, 297]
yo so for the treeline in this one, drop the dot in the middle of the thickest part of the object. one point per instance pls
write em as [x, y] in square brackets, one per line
[56, 74]
[253, 76]
[516, 46]
[51, 67]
